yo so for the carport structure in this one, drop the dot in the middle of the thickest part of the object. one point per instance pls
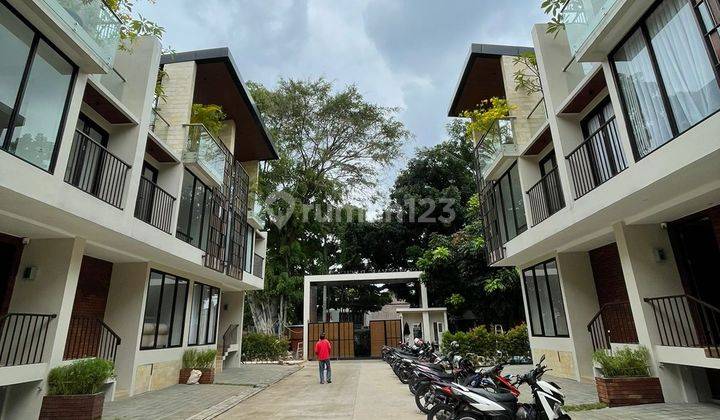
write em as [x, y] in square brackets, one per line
[382, 331]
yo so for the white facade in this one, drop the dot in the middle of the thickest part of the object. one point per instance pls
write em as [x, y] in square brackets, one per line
[598, 235]
[56, 227]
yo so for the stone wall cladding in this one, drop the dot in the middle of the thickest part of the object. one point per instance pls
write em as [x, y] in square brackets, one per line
[179, 87]
[525, 127]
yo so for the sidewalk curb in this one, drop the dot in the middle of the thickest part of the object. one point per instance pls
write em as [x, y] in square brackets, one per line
[232, 402]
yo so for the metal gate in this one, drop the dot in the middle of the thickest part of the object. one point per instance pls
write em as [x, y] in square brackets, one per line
[340, 334]
[384, 333]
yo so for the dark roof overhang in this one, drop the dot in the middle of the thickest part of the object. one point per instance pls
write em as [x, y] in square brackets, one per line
[482, 77]
[219, 82]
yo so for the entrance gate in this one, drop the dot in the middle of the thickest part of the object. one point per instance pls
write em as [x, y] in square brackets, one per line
[340, 334]
[384, 333]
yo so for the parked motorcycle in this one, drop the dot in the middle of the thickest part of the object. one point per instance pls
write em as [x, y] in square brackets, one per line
[464, 403]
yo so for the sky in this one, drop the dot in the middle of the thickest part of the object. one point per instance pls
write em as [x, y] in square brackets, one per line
[400, 53]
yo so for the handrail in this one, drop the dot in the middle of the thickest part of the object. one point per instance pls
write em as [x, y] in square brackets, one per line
[591, 136]
[119, 75]
[215, 139]
[228, 333]
[157, 113]
[686, 321]
[105, 149]
[158, 187]
[543, 178]
[91, 337]
[600, 328]
[537, 105]
[24, 345]
[113, 11]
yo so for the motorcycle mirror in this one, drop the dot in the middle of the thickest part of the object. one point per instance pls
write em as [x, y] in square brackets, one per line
[542, 359]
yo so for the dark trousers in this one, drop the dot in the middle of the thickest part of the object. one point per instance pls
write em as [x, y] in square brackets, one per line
[325, 365]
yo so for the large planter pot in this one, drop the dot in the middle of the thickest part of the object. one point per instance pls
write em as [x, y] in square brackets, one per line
[207, 377]
[72, 407]
[618, 392]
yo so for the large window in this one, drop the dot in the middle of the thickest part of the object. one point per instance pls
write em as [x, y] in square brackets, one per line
[204, 315]
[509, 205]
[164, 311]
[666, 73]
[249, 249]
[545, 303]
[35, 84]
[195, 208]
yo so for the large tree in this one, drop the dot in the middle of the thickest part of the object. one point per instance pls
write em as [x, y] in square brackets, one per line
[333, 145]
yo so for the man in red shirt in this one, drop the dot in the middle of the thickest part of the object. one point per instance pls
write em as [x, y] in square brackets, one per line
[323, 348]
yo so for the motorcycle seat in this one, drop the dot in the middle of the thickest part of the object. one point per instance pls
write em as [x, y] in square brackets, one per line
[499, 396]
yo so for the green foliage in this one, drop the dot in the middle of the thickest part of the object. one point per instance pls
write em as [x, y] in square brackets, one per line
[585, 407]
[527, 76]
[624, 362]
[132, 25]
[334, 145]
[211, 116]
[199, 359]
[83, 377]
[486, 114]
[481, 342]
[258, 346]
[553, 8]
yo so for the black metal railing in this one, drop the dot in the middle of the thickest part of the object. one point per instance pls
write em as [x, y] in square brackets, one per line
[613, 323]
[23, 337]
[546, 197]
[230, 337]
[258, 263]
[598, 159]
[97, 171]
[685, 321]
[154, 205]
[90, 337]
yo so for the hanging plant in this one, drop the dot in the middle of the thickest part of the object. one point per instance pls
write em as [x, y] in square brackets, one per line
[211, 116]
[489, 111]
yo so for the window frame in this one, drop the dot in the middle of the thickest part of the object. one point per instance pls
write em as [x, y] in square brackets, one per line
[207, 327]
[536, 298]
[178, 279]
[185, 236]
[22, 88]
[519, 229]
[641, 26]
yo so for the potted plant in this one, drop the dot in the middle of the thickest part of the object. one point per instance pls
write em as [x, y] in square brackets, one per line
[75, 390]
[204, 361]
[626, 378]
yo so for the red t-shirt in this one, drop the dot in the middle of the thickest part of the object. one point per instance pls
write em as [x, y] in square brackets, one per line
[323, 349]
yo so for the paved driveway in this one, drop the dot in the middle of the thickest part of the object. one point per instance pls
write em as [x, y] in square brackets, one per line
[360, 390]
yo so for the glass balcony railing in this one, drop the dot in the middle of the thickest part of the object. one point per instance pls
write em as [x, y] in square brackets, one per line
[581, 17]
[202, 149]
[159, 125]
[493, 143]
[114, 82]
[94, 22]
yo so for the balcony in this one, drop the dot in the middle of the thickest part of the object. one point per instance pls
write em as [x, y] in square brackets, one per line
[205, 152]
[154, 205]
[22, 338]
[258, 264]
[97, 26]
[496, 142]
[546, 197]
[90, 337]
[97, 171]
[597, 159]
[582, 17]
[114, 82]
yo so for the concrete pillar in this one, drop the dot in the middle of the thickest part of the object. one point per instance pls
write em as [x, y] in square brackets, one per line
[124, 314]
[581, 303]
[232, 312]
[52, 291]
[306, 315]
[645, 277]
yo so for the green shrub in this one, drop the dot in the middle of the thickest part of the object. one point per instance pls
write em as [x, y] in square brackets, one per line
[624, 362]
[199, 359]
[257, 346]
[83, 377]
[486, 344]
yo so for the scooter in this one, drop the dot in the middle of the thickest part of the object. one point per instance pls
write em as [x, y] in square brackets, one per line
[463, 403]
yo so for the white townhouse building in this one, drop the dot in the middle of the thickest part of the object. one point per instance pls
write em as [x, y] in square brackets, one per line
[126, 232]
[609, 206]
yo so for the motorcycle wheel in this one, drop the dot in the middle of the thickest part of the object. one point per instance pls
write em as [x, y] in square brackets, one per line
[465, 415]
[404, 376]
[421, 398]
[441, 412]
